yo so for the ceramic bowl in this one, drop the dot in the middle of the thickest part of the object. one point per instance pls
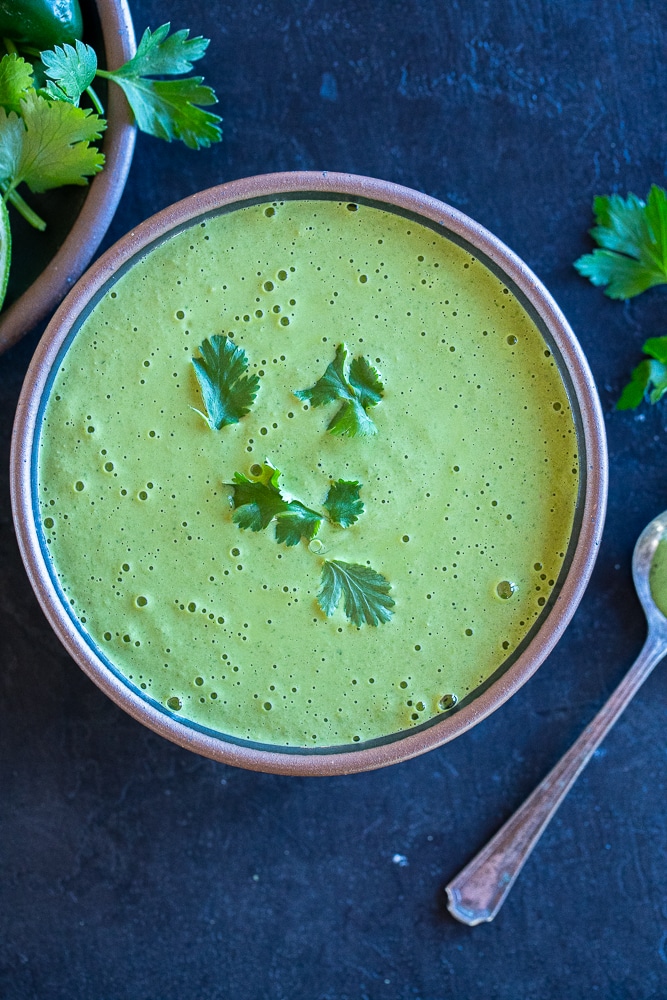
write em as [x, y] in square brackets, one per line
[588, 520]
[46, 265]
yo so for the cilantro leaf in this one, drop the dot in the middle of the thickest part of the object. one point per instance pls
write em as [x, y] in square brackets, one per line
[343, 503]
[333, 384]
[352, 420]
[71, 70]
[257, 502]
[656, 347]
[649, 379]
[366, 382]
[49, 145]
[168, 109]
[228, 393]
[359, 388]
[15, 81]
[365, 593]
[161, 54]
[297, 522]
[633, 237]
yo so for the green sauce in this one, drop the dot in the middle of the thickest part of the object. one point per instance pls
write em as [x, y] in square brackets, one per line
[658, 576]
[470, 484]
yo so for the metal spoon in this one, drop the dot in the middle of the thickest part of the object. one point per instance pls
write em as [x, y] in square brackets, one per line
[479, 890]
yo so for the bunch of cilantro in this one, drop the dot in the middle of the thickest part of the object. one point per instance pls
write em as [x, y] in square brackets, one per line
[631, 258]
[47, 139]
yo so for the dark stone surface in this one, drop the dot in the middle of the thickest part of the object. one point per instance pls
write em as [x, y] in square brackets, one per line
[133, 870]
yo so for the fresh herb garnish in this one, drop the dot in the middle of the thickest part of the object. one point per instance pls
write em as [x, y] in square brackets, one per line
[633, 237]
[365, 593]
[649, 379]
[227, 391]
[357, 386]
[343, 504]
[168, 109]
[260, 501]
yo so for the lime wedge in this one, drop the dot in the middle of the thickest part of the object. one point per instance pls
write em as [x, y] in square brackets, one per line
[5, 249]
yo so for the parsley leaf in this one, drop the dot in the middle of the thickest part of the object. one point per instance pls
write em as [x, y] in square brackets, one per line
[168, 109]
[49, 145]
[365, 593]
[633, 237]
[649, 378]
[260, 501]
[343, 504]
[359, 388]
[228, 393]
[71, 70]
[15, 81]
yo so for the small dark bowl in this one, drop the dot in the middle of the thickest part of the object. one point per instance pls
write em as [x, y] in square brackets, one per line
[586, 531]
[46, 265]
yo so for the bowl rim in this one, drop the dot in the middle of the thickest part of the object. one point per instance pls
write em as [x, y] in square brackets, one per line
[592, 508]
[105, 190]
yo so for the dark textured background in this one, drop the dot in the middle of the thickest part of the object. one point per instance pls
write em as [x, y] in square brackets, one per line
[133, 869]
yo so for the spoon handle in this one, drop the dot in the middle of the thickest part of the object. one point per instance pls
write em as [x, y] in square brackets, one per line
[479, 890]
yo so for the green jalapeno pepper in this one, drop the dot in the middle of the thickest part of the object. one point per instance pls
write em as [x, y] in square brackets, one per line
[40, 24]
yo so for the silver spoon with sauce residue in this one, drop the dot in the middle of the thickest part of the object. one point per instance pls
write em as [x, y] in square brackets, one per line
[476, 894]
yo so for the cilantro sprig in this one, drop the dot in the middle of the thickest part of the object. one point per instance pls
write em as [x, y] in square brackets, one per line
[261, 501]
[632, 235]
[228, 392]
[169, 109]
[356, 386]
[258, 502]
[648, 380]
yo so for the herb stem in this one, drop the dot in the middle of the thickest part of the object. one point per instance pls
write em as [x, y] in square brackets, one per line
[25, 210]
[9, 46]
[97, 104]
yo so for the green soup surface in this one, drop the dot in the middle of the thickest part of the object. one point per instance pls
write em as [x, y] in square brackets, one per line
[469, 485]
[658, 576]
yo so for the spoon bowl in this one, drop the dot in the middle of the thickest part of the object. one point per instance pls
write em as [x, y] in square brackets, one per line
[642, 560]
